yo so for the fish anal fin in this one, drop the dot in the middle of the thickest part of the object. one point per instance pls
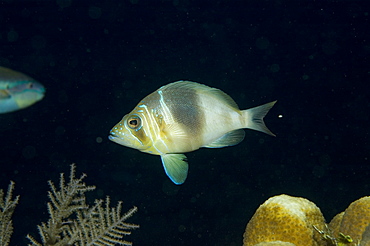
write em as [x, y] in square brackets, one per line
[176, 167]
[229, 139]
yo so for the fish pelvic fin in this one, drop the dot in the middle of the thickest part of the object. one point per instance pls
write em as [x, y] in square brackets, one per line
[176, 167]
[253, 118]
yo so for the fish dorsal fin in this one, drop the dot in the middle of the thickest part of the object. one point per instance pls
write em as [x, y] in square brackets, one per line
[229, 139]
[176, 167]
[7, 74]
[4, 94]
[203, 89]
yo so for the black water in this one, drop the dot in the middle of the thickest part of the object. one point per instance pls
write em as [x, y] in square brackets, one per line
[97, 59]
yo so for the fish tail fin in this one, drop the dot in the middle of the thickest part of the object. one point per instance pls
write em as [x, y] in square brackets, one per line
[253, 118]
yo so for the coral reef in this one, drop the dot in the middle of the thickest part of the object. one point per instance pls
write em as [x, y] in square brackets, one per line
[72, 221]
[286, 220]
[354, 222]
[275, 243]
[7, 207]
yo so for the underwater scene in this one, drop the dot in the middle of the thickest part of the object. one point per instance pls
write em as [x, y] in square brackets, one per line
[99, 146]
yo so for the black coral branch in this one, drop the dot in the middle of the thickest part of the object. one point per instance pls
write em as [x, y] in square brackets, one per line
[103, 225]
[73, 222]
[7, 206]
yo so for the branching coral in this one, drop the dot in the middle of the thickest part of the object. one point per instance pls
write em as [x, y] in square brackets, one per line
[73, 222]
[7, 207]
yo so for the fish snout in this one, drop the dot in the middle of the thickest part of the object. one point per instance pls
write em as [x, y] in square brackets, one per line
[116, 138]
[113, 134]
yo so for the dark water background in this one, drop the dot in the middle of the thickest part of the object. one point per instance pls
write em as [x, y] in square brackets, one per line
[97, 59]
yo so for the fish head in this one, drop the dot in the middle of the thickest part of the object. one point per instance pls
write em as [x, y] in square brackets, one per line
[131, 132]
[151, 128]
[27, 93]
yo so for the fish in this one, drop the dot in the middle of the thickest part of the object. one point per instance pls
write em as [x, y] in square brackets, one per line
[18, 91]
[184, 116]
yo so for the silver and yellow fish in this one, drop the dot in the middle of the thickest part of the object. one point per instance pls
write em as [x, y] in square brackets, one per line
[18, 91]
[184, 116]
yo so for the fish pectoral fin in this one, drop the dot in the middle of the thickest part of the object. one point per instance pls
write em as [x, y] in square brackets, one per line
[4, 94]
[176, 167]
[229, 139]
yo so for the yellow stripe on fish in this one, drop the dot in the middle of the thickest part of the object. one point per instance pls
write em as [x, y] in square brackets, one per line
[184, 116]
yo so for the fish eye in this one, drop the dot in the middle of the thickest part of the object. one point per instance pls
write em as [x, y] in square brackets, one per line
[30, 85]
[134, 122]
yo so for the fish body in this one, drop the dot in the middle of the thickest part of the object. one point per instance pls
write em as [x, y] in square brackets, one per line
[18, 90]
[184, 116]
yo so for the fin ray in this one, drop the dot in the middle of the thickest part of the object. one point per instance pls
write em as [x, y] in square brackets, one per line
[254, 117]
[176, 167]
[229, 139]
[204, 89]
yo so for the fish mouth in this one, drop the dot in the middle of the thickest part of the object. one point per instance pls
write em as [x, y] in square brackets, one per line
[117, 140]
[114, 138]
[127, 142]
[111, 138]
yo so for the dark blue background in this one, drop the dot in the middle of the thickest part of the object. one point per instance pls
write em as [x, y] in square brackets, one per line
[97, 59]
